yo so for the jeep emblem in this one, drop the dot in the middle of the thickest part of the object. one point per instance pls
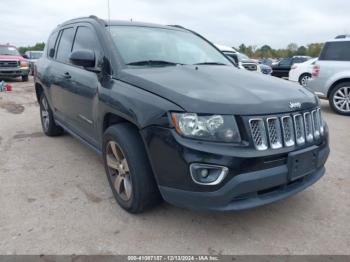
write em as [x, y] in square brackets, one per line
[294, 105]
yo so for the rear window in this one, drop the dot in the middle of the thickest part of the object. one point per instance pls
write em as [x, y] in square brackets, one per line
[336, 51]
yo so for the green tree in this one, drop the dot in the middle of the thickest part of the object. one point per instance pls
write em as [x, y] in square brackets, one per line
[36, 47]
[301, 50]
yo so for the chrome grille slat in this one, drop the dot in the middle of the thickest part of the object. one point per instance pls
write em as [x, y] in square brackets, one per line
[258, 132]
[320, 121]
[286, 130]
[299, 129]
[315, 124]
[308, 127]
[274, 132]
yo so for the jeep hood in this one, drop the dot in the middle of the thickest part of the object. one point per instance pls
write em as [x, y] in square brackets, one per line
[219, 89]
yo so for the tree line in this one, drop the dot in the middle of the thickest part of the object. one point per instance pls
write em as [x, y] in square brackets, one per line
[36, 47]
[292, 49]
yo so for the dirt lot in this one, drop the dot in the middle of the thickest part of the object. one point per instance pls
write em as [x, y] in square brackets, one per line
[55, 199]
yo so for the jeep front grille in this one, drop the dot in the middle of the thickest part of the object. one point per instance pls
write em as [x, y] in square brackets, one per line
[286, 130]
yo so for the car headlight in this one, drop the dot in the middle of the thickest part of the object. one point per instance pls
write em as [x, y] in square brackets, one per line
[219, 128]
[24, 64]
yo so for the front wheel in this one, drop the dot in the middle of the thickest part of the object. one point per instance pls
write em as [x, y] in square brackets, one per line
[47, 119]
[339, 99]
[25, 78]
[128, 171]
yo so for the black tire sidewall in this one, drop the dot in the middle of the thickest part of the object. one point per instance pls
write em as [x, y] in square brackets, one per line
[53, 129]
[125, 204]
[144, 189]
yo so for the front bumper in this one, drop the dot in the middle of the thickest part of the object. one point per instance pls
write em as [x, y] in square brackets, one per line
[14, 71]
[254, 178]
[243, 191]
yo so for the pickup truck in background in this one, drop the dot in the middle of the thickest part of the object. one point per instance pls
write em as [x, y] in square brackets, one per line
[12, 64]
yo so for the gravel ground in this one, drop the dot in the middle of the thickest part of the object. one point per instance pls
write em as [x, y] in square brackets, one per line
[55, 199]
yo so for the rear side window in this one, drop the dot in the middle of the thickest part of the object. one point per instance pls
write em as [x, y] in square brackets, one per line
[285, 62]
[299, 59]
[85, 39]
[65, 45]
[336, 51]
[51, 43]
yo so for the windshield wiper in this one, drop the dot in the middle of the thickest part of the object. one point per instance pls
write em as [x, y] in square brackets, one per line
[153, 63]
[210, 63]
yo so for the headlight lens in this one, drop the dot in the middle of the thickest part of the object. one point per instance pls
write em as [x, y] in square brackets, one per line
[24, 64]
[219, 128]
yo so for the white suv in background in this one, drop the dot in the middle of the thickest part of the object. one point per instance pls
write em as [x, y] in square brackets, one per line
[243, 61]
[331, 74]
[302, 72]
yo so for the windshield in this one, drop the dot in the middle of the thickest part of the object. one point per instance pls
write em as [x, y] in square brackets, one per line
[167, 46]
[35, 55]
[8, 50]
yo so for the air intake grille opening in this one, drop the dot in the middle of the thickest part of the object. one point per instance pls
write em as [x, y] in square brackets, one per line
[288, 130]
[258, 133]
[274, 132]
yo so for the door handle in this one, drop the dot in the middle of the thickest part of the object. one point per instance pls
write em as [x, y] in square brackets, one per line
[67, 75]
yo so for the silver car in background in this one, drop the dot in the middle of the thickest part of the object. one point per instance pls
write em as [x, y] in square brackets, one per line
[331, 74]
[32, 57]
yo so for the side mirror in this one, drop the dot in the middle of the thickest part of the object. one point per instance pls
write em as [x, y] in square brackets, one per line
[52, 52]
[25, 56]
[84, 58]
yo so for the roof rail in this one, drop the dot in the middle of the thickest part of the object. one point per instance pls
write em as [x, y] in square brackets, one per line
[178, 26]
[341, 36]
[84, 17]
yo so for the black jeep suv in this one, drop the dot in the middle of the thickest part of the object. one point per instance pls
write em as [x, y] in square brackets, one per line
[174, 119]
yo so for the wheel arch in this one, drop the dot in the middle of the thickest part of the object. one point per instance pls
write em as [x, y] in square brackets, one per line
[38, 91]
[339, 81]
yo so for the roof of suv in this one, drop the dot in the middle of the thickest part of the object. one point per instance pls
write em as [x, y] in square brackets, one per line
[340, 38]
[106, 22]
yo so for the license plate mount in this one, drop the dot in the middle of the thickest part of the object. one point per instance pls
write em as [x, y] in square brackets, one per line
[302, 162]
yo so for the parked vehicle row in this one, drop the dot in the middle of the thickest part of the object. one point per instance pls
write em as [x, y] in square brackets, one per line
[282, 67]
[243, 61]
[181, 124]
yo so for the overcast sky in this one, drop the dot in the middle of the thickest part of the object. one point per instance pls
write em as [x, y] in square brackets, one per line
[228, 22]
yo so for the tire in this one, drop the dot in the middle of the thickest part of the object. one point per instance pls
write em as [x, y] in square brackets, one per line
[47, 119]
[133, 170]
[339, 99]
[304, 78]
[25, 78]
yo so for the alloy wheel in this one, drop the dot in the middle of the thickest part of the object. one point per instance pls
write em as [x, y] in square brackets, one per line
[118, 170]
[45, 114]
[341, 99]
[304, 80]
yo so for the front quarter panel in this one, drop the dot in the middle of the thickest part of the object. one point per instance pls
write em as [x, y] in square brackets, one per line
[140, 107]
